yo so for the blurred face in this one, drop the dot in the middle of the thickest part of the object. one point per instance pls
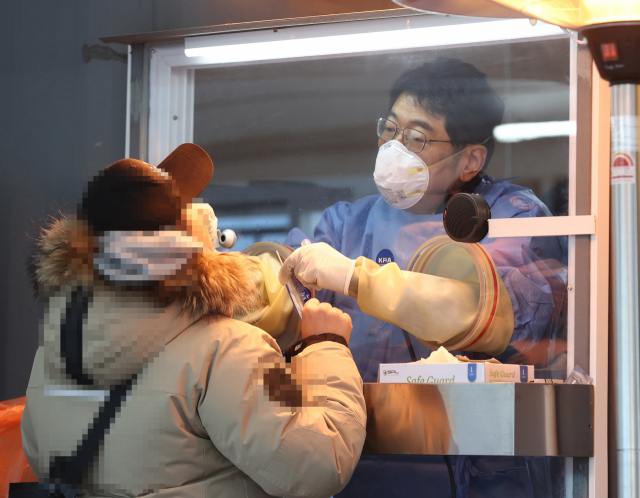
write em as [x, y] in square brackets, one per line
[449, 174]
[197, 221]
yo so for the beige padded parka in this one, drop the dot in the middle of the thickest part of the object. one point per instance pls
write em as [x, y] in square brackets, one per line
[215, 411]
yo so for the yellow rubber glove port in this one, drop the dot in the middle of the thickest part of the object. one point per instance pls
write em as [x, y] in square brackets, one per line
[275, 316]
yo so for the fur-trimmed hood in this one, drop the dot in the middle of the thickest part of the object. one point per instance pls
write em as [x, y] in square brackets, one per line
[226, 283]
[125, 325]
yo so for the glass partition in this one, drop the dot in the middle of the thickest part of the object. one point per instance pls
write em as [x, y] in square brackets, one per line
[302, 135]
[290, 139]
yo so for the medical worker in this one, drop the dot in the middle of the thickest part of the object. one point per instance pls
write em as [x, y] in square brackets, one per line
[435, 141]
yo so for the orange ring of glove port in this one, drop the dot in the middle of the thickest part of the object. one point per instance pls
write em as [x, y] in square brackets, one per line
[495, 302]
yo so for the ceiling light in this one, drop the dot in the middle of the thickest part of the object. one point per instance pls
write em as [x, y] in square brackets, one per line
[612, 27]
[519, 132]
[305, 42]
[576, 14]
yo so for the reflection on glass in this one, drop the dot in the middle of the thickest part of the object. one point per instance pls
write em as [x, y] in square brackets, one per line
[313, 122]
[291, 139]
[295, 145]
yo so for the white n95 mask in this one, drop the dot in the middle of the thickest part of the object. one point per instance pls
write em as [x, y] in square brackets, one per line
[401, 176]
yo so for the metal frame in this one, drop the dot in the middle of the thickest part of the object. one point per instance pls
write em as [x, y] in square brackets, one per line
[156, 57]
[599, 279]
[624, 235]
[138, 102]
[170, 101]
[539, 227]
[178, 35]
[502, 418]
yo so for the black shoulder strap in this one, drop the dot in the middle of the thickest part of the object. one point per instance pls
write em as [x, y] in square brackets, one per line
[68, 471]
[71, 336]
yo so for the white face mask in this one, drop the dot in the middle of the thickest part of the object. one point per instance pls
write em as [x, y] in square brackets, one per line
[401, 176]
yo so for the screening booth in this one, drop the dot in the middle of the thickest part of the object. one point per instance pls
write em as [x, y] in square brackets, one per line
[287, 110]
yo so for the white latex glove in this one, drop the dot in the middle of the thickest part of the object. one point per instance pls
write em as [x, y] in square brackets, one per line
[319, 266]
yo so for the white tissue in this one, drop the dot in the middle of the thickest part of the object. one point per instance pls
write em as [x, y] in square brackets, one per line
[440, 356]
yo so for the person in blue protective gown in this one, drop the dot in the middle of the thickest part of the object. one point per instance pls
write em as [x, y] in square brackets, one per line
[434, 142]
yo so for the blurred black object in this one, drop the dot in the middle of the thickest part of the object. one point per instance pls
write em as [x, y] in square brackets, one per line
[557, 198]
[466, 218]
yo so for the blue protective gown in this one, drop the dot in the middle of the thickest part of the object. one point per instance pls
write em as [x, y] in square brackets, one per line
[533, 270]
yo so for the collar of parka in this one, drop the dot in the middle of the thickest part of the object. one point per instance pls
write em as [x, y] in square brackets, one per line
[212, 283]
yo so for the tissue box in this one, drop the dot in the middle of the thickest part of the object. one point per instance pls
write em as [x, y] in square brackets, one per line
[452, 373]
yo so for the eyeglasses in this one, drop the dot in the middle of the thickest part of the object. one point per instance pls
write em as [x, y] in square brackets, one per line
[413, 140]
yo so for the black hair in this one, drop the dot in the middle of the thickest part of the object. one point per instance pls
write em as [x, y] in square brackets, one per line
[458, 92]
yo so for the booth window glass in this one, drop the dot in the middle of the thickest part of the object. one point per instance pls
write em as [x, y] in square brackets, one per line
[289, 139]
[294, 133]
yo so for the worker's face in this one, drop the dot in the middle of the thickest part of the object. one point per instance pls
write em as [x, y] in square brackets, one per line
[449, 174]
